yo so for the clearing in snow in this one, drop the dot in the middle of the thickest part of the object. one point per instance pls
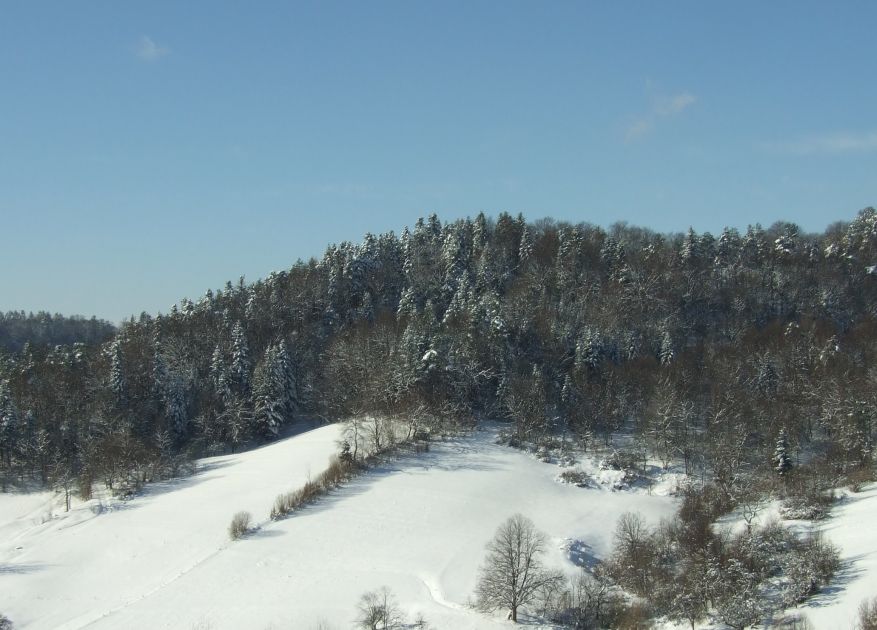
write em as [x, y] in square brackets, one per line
[418, 525]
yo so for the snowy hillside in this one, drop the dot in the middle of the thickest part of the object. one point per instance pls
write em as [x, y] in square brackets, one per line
[80, 567]
[418, 526]
[851, 528]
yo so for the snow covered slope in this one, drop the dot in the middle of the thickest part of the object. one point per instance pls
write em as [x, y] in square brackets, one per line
[852, 529]
[79, 567]
[418, 526]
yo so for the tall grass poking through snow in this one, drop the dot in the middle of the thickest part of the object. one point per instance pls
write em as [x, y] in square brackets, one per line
[337, 473]
[240, 525]
[346, 465]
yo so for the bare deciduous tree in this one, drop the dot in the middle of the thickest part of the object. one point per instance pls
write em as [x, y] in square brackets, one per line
[378, 611]
[634, 551]
[513, 572]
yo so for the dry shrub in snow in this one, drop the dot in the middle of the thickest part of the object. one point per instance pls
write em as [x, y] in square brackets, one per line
[240, 525]
[590, 601]
[795, 622]
[868, 615]
[338, 472]
[283, 504]
[5, 624]
[859, 477]
[577, 477]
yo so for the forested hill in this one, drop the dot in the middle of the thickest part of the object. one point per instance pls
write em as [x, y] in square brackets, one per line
[703, 347]
[18, 328]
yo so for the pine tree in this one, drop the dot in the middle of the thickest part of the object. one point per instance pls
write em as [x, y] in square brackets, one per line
[159, 370]
[240, 360]
[459, 305]
[590, 350]
[782, 462]
[407, 304]
[219, 376]
[175, 406]
[9, 424]
[268, 394]
[288, 382]
[767, 380]
[525, 250]
[691, 248]
[479, 232]
[118, 383]
[667, 352]
[452, 263]
[367, 308]
[728, 248]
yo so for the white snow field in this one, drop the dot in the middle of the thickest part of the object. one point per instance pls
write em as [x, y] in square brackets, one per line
[418, 525]
[852, 528]
[79, 567]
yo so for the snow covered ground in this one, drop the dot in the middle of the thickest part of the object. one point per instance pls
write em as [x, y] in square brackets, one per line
[418, 526]
[852, 528]
[75, 568]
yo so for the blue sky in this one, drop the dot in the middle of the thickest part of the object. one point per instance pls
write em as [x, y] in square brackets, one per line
[149, 151]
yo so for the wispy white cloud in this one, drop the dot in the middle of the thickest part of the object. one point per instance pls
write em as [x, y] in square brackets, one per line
[662, 107]
[638, 128]
[668, 106]
[149, 50]
[826, 144]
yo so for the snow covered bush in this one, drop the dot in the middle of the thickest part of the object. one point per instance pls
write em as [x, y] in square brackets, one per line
[567, 459]
[5, 624]
[687, 568]
[812, 505]
[240, 525]
[544, 454]
[627, 462]
[620, 460]
[808, 494]
[823, 555]
[739, 610]
[810, 566]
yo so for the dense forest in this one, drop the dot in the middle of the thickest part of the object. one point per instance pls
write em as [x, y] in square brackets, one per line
[709, 350]
[18, 328]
